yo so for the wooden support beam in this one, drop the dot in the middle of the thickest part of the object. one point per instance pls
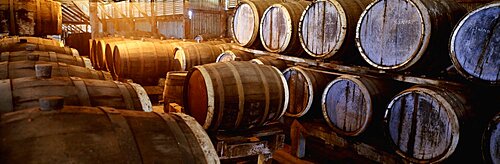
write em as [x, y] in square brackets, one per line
[94, 19]
[78, 10]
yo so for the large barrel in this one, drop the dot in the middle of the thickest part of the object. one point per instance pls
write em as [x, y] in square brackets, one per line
[143, 62]
[235, 95]
[305, 87]
[408, 35]
[235, 55]
[33, 40]
[279, 28]
[195, 54]
[18, 69]
[353, 105]
[31, 17]
[173, 91]
[109, 55]
[44, 56]
[475, 45]
[23, 46]
[272, 61]
[80, 42]
[246, 21]
[491, 141]
[76, 134]
[100, 50]
[22, 93]
[327, 28]
[426, 124]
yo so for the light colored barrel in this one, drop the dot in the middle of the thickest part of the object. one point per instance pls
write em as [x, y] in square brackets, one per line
[31, 17]
[272, 61]
[44, 56]
[408, 35]
[173, 91]
[19, 69]
[235, 55]
[235, 95]
[102, 134]
[186, 57]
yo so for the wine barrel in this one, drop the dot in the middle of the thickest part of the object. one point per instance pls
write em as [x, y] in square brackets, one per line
[174, 83]
[143, 62]
[272, 61]
[491, 141]
[76, 134]
[352, 105]
[426, 124]
[80, 42]
[305, 87]
[226, 46]
[407, 35]
[33, 40]
[19, 69]
[195, 54]
[474, 45]
[31, 17]
[246, 21]
[100, 50]
[327, 28]
[235, 55]
[235, 95]
[278, 28]
[22, 93]
[23, 46]
[44, 56]
[214, 42]
[109, 55]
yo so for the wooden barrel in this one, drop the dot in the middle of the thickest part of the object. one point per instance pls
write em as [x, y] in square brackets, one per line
[246, 21]
[214, 42]
[272, 61]
[426, 124]
[491, 141]
[174, 83]
[226, 46]
[327, 28]
[38, 47]
[19, 69]
[100, 50]
[409, 35]
[80, 42]
[278, 28]
[33, 40]
[475, 45]
[44, 56]
[76, 134]
[235, 55]
[143, 62]
[305, 87]
[353, 105]
[195, 54]
[31, 17]
[109, 55]
[235, 95]
[22, 93]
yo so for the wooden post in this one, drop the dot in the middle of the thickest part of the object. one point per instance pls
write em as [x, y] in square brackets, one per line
[187, 21]
[154, 22]
[94, 20]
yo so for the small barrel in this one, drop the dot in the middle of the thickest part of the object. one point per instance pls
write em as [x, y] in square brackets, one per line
[246, 21]
[427, 124]
[408, 35]
[173, 91]
[102, 135]
[22, 93]
[475, 45]
[80, 42]
[491, 141]
[38, 47]
[19, 69]
[305, 87]
[100, 50]
[272, 61]
[235, 55]
[32, 40]
[327, 28]
[31, 17]
[44, 56]
[143, 62]
[279, 32]
[353, 105]
[235, 95]
[195, 54]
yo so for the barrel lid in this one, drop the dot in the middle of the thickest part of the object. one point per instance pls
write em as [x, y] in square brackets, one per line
[299, 83]
[242, 27]
[273, 39]
[226, 56]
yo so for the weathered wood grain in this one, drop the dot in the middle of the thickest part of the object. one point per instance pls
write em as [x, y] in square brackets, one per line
[19, 69]
[31, 17]
[43, 56]
[186, 57]
[173, 91]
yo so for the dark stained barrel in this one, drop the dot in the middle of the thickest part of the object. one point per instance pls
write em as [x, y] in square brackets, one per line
[475, 45]
[38, 47]
[77, 134]
[22, 93]
[19, 69]
[235, 55]
[352, 105]
[272, 61]
[235, 95]
[305, 87]
[192, 55]
[143, 62]
[426, 124]
[408, 35]
[279, 28]
[327, 28]
[30, 17]
[44, 56]
[173, 91]
[80, 42]
[33, 40]
[246, 22]
[491, 141]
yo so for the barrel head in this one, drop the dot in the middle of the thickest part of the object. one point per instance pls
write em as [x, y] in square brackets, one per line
[301, 92]
[197, 98]
[244, 24]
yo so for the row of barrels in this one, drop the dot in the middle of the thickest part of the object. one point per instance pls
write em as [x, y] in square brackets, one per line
[77, 114]
[409, 36]
[31, 17]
